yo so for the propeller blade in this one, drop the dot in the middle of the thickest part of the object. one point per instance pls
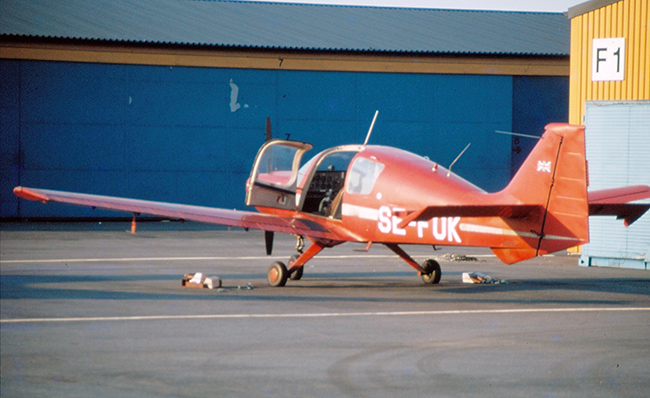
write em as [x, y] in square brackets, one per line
[269, 136]
[268, 240]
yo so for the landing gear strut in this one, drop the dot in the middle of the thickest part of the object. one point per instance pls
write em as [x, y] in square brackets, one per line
[429, 270]
[296, 274]
[300, 243]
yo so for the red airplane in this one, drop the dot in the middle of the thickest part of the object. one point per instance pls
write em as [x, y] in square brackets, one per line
[377, 194]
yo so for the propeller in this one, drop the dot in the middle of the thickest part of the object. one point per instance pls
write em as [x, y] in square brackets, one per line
[268, 240]
[268, 235]
[269, 136]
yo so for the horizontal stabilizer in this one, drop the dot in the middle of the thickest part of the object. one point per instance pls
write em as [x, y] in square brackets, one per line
[615, 202]
[503, 211]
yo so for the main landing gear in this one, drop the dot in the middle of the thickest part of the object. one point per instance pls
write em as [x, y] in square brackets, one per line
[278, 273]
[429, 270]
[432, 272]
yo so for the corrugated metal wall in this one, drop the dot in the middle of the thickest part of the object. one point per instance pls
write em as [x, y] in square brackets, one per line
[189, 135]
[627, 19]
[536, 101]
[618, 150]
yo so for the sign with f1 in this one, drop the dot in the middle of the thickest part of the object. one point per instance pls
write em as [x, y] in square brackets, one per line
[608, 59]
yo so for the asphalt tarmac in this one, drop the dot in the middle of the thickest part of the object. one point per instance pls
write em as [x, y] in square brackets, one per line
[92, 310]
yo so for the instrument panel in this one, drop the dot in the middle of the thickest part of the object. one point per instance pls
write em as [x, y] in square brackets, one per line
[326, 180]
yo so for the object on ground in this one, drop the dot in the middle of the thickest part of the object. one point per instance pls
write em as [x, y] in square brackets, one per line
[212, 282]
[459, 257]
[477, 277]
[201, 281]
[247, 286]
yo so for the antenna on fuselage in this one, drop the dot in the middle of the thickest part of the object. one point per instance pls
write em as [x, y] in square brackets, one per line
[457, 157]
[518, 134]
[370, 129]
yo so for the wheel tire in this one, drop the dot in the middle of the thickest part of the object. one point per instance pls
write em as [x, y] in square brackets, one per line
[297, 274]
[277, 274]
[433, 274]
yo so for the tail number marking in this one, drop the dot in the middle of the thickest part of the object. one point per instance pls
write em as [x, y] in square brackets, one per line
[441, 227]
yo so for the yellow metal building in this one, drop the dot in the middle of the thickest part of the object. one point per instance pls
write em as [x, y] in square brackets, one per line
[609, 93]
[623, 25]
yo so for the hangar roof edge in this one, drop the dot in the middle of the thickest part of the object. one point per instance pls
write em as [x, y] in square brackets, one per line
[289, 26]
[587, 7]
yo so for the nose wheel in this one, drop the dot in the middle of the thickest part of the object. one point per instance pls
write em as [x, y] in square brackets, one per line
[277, 274]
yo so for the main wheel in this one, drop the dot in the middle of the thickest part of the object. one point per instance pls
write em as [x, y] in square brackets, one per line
[297, 274]
[277, 274]
[433, 272]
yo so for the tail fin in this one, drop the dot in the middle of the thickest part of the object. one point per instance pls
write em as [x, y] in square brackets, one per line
[553, 177]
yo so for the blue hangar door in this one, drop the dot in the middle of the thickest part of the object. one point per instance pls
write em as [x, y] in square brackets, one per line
[618, 151]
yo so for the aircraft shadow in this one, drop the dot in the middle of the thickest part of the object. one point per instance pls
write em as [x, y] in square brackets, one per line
[336, 287]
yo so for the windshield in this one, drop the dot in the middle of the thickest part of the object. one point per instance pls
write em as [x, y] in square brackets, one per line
[335, 161]
[363, 175]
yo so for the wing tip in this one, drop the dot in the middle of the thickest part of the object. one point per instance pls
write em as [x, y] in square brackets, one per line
[637, 212]
[29, 194]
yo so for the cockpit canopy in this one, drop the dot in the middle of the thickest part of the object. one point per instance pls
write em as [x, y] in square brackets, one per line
[277, 181]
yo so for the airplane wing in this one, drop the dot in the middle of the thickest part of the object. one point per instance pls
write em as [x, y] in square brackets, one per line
[235, 218]
[615, 202]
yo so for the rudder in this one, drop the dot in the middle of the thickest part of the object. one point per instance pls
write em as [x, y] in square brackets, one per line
[554, 176]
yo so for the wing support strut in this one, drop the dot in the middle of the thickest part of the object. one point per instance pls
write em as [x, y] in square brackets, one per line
[404, 256]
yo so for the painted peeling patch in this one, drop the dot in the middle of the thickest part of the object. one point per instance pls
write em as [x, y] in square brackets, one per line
[234, 95]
